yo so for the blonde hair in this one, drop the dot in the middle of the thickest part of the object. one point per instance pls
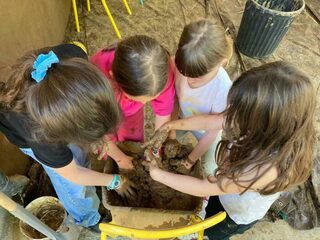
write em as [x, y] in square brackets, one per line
[203, 45]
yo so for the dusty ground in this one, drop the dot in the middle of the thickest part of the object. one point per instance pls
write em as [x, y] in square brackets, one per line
[164, 20]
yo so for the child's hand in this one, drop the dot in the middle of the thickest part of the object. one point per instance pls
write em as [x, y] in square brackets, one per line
[101, 148]
[158, 137]
[126, 163]
[151, 161]
[188, 163]
[183, 166]
[173, 134]
[126, 189]
[153, 168]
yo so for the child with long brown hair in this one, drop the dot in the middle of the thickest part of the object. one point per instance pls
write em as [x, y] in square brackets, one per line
[140, 70]
[266, 147]
[54, 101]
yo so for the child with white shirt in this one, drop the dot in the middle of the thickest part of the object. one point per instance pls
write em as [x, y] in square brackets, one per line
[202, 84]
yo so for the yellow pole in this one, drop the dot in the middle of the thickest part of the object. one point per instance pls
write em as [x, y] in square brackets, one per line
[74, 4]
[111, 18]
[127, 7]
[111, 229]
[197, 219]
[88, 5]
[103, 236]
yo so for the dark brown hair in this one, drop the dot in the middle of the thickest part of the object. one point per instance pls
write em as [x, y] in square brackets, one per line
[269, 122]
[140, 66]
[17, 83]
[203, 45]
[74, 103]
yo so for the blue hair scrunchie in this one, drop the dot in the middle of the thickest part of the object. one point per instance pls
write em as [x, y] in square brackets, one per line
[41, 65]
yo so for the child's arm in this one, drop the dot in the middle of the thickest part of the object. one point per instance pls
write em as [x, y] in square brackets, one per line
[174, 116]
[160, 120]
[187, 184]
[87, 177]
[123, 160]
[107, 146]
[199, 122]
[203, 145]
[202, 187]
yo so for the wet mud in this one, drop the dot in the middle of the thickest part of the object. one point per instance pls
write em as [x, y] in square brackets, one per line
[152, 194]
[51, 216]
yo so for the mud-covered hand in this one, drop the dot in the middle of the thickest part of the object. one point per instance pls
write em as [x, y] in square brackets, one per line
[183, 166]
[152, 158]
[158, 138]
[127, 189]
[101, 148]
[125, 163]
[152, 167]
[123, 186]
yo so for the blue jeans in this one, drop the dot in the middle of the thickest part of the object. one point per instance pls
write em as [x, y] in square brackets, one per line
[81, 202]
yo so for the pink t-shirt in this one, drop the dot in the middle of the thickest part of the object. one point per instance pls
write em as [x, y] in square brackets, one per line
[162, 105]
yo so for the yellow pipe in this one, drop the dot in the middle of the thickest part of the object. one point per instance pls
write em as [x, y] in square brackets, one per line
[103, 236]
[127, 7]
[74, 4]
[111, 18]
[197, 219]
[88, 5]
[111, 229]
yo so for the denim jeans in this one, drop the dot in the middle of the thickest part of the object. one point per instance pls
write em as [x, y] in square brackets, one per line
[81, 202]
[225, 229]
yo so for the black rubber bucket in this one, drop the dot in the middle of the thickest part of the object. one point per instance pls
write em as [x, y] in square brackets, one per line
[264, 23]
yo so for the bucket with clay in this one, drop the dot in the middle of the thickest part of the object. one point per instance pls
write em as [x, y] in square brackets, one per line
[50, 211]
[264, 23]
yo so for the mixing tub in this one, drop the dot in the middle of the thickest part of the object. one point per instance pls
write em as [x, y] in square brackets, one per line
[148, 218]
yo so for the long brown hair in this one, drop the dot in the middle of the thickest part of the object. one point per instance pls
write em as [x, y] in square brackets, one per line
[269, 122]
[203, 45]
[74, 103]
[17, 83]
[140, 66]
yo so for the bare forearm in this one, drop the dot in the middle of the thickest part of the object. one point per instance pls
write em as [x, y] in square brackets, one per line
[115, 153]
[187, 184]
[84, 176]
[160, 120]
[174, 116]
[203, 145]
[199, 122]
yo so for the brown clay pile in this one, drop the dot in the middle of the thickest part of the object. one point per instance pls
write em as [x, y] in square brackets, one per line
[151, 194]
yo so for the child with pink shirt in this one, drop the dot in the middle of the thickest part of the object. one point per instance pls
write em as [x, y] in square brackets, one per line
[140, 70]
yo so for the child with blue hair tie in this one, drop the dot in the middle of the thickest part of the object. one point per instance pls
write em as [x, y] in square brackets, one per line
[54, 106]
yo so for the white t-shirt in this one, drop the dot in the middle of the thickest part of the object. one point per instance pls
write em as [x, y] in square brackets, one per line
[208, 99]
[248, 207]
